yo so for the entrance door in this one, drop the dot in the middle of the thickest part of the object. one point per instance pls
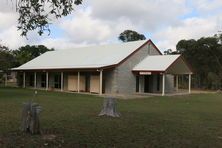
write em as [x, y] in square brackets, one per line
[94, 84]
[72, 83]
[148, 82]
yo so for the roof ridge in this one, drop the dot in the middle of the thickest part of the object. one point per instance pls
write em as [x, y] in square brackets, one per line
[107, 44]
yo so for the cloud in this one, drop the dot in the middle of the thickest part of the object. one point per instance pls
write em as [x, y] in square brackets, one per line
[7, 19]
[11, 38]
[148, 14]
[101, 21]
[204, 6]
[8, 6]
[62, 44]
[82, 27]
[194, 28]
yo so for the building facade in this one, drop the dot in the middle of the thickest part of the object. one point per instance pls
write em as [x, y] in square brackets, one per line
[108, 69]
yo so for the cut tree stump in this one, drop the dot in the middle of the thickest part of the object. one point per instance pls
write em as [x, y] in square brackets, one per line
[109, 108]
[30, 118]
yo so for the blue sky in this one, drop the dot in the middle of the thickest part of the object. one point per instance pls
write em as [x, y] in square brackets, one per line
[100, 22]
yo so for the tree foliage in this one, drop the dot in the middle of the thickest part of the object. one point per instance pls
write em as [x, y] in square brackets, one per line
[7, 59]
[205, 56]
[13, 58]
[130, 35]
[35, 14]
[170, 51]
[27, 53]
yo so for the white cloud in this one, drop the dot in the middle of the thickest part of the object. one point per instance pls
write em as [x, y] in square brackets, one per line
[82, 27]
[11, 38]
[101, 21]
[61, 43]
[205, 6]
[7, 19]
[8, 6]
[148, 14]
[190, 28]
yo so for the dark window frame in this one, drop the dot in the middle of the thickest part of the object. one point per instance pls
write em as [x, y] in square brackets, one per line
[137, 83]
[31, 80]
[43, 80]
[158, 83]
[57, 81]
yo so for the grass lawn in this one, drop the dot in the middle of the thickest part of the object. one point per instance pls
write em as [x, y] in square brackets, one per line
[180, 121]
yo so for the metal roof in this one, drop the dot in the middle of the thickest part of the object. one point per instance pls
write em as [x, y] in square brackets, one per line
[84, 57]
[156, 63]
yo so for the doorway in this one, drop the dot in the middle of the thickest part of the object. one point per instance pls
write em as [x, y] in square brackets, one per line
[148, 82]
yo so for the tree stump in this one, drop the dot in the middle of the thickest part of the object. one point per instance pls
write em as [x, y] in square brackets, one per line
[30, 118]
[109, 108]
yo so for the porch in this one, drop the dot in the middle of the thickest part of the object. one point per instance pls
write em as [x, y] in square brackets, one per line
[73, 81]
[159, 75]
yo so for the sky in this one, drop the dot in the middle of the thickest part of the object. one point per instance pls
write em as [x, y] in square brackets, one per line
[98, 22]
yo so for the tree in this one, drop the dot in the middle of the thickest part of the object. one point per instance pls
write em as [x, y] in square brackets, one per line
[170, 52]
[7, 60]
[205, 56]
[37, 14]
[130, 35]
[27, 53]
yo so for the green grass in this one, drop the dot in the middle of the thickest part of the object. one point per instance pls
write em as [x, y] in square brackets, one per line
[180, 121]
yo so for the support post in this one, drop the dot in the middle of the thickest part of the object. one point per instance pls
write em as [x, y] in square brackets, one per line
[62, 81]
[47, 80]
[23, 79]
[163, 85]
[189, 83]
[177, 83]
[78, 82]
[101, 82]
[35, 80]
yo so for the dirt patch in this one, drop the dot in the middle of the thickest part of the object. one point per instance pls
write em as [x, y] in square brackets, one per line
[1, 141]
[50, 137]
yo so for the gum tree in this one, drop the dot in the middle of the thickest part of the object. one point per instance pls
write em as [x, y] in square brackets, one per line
[38, 14]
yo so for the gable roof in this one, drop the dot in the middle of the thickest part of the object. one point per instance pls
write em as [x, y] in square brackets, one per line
[85, 57]
[164, 63]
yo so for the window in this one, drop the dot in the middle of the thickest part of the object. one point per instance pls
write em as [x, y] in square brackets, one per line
[43, 80]
[158, 82]
[137, 83]
[57, 81]
[31, 80]
[174, 81]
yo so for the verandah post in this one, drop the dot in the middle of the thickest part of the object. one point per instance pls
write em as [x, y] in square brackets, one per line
[163, 85]
[23, 79]
[78, 82]
[189, 83]
[62, 81]
[47, 80]
[35, 80]
[101, 82]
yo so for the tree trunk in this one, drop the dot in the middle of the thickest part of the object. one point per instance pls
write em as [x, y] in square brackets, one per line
[109, 108]
[30, 118]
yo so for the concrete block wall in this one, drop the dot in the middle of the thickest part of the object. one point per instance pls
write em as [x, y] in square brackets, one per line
[122, 79]
[169, 83]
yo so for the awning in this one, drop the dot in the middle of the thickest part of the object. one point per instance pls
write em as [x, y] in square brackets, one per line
[171, 64]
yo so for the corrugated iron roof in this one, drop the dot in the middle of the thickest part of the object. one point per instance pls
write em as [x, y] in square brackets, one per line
[84, 57]
[156, 63]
